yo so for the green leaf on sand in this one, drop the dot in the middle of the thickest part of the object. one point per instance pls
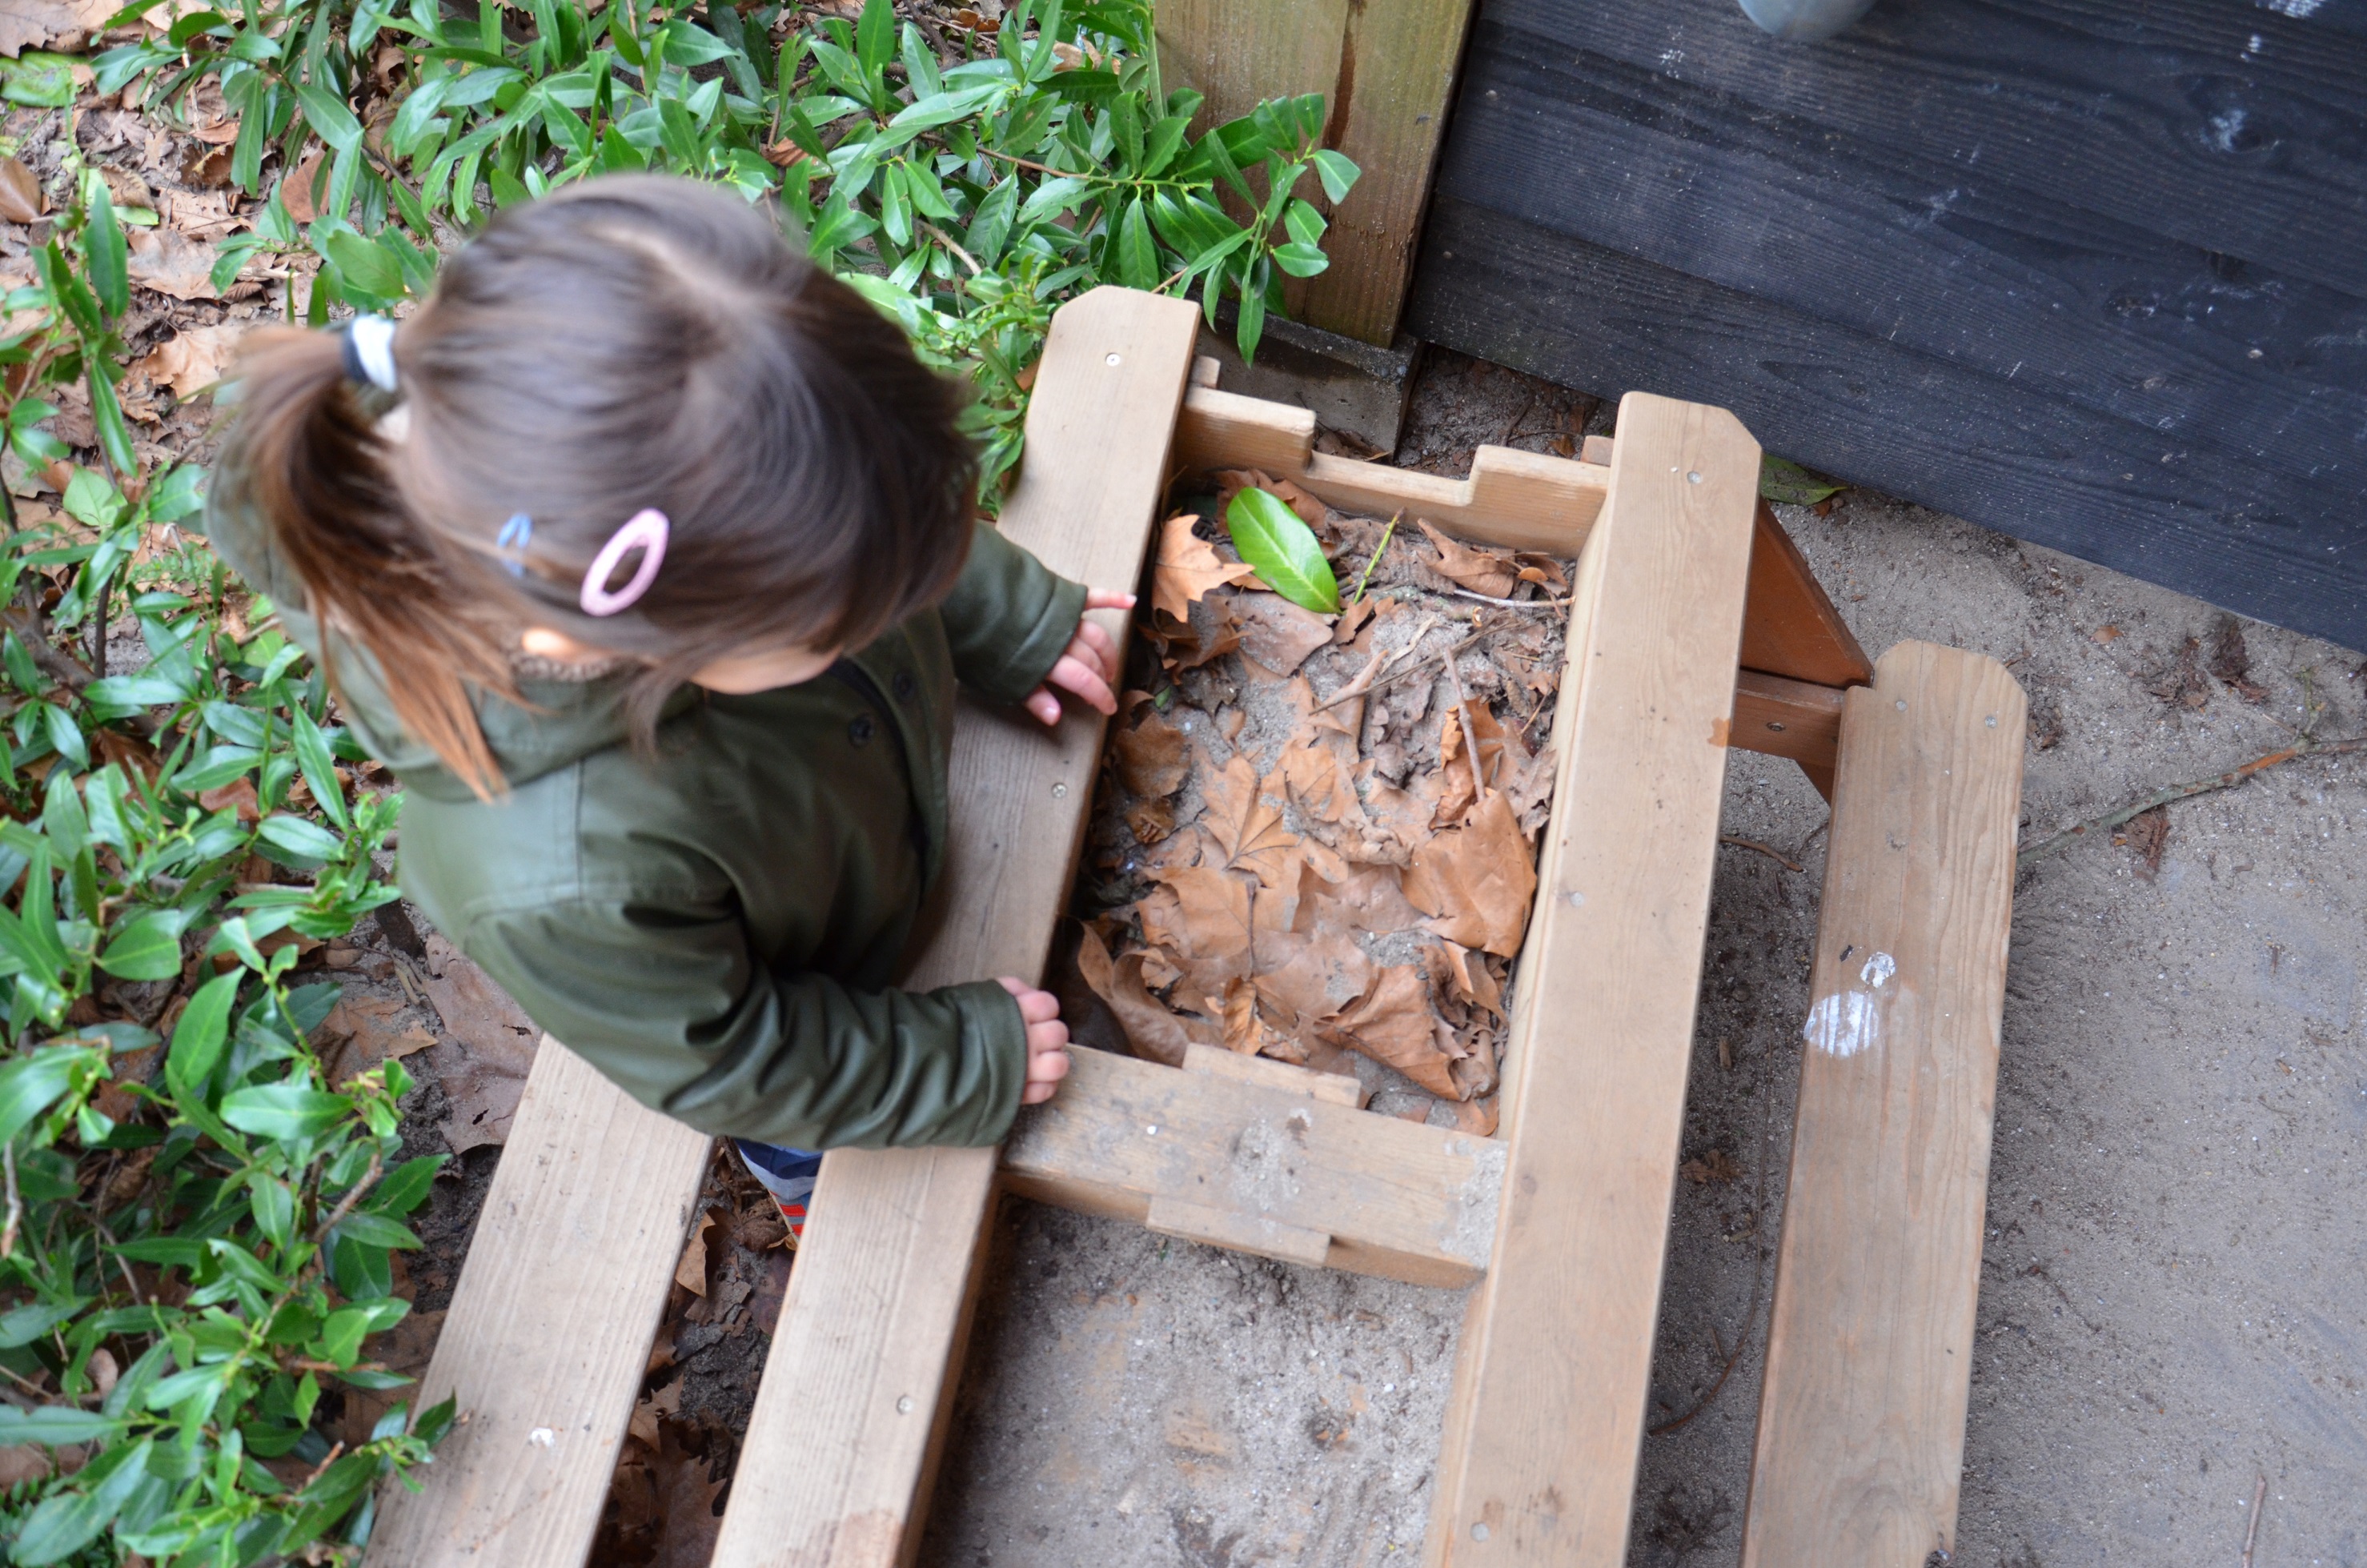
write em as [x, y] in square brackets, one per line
[1283, 550]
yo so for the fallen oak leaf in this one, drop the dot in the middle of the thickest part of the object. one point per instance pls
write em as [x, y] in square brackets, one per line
[1491, 573]
[1245, 829]
[192, 360]
[170, 262]
[1155, 1032]
[1277, 633]
[1393, 1025]
[1475, 881]
[1188, 567]
[1152, 758]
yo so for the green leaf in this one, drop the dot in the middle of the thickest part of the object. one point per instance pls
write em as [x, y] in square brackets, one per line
[1137, 256]
[38, 80]
[108, 258]
[366, 265]
[22, 1325]
[407, 1186]
[329, 116]
[1278, 544]
[30, 1085]
[1793, 485]
[285, 1111]
[197, 1039]
[66, 1523]
[53, 1425]
[148, 949]
[308, 841]
[1337, 171]
[1300, 260]
[875, 36]
[376, 1229]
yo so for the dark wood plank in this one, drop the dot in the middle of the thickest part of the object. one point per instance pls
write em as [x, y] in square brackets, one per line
[1901, 421]
[2237, 129]
[1870, 1340]
[1923, 250]
[1789, 624]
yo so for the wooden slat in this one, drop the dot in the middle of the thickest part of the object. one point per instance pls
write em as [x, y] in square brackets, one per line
[1787, 719]
[849, 1416]
[1523, 499]
[1789, 624]
[549, 1327]
[1236, 1231]
[1397, 1198]
[1340, 1088]
[1870, 1343]
[1538, 1462]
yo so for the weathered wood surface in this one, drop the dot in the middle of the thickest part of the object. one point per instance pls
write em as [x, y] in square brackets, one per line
[1386, 69]
[548, 1330]
[1787, 719]
[1545, 1418]
[845, 1435]
[1870, 1340]
[1130, 1139]
[2079, 273]
[1523, 499]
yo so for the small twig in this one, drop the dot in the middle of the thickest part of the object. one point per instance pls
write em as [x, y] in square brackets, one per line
[1386, 681]
[345, 1204]
[26, 1383]
[2229, 780]
[1479, 780]
[949, 242]
[1386, 533]
[16, 1203]
[326, 1460]
[1031, 163]
[1778, 856]
[2259, 1495]
[1513, 603]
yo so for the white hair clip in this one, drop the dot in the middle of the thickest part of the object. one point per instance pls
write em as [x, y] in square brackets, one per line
[369, 351]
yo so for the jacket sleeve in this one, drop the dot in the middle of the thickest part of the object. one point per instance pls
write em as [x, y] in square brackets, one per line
[674, 1009]
[1009, 618]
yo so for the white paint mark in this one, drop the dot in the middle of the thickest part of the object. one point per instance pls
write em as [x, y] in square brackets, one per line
[2293, 7]
[1843, 1024]
[543, 1437]
[1878, 968]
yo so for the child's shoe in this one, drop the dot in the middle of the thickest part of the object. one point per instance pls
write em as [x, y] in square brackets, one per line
[787, 1174]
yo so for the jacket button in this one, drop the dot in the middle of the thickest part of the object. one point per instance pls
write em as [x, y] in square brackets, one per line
[905, 685]
[859, 731]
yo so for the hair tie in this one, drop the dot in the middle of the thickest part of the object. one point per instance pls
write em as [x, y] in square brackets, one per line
[647, 529]
[516, 536]
[370, 352]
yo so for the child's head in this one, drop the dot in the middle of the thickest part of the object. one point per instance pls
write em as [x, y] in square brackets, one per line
[633, 344]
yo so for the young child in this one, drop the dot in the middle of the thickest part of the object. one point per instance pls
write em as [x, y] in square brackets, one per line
[644, 554]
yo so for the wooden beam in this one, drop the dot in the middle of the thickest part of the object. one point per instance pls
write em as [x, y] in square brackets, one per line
[549, 1327]
[1340, 1088]
[1127, 1138]
[1538, 1460]
[1790, 626]
[1525, 501]
[1870, 1343]
[850, 1414]
[1787, 718]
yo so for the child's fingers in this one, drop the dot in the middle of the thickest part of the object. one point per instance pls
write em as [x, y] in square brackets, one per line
[1072, 674]
[1034, 1005]
[1098, 600]
[1048, 1065]
[1043, 705]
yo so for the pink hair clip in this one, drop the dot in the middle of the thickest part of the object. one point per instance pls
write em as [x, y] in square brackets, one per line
[647, 529]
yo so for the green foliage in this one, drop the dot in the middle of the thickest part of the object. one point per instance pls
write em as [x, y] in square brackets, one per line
[968, 199]
[1786, 481]
[197, 1228]
[1284, 551]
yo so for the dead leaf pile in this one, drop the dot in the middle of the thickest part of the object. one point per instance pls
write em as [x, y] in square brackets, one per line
[1317, 833]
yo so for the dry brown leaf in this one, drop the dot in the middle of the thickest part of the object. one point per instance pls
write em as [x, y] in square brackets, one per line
[690, 1269]
[1318, 783]
[373, 1035]
[170, 261]
[1188, 566]
[1230, 482]
[1206, 917]
[1392, 1024]
[1476, 1116]
[1151, 821]
[476, 1012]
[1476, 880]
[1306, 978]
[1491, 573]
[1152, 760]
[664, 1405]
[193, 359]
[1716, 1166]
[20, 193]
[1471, 982]
[31, 23]
[239, 792]
[1245, 829]
[1155, 1032]
[1537, 568]
[1352, 619]
[1238, 1011]
[296, 191]
[1277, 632]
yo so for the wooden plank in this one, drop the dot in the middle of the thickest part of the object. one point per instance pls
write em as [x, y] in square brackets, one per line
[2106, 313]
[549, 1327]
[1787, 718]
[2214, 125]
[1905, 423]
[1396, 1198]
[1870, 1343]
[1386, 69]
[1789, 624]
[849, 1415]
[1236, 1231]
[1538, 1460]
[1525, 501]
[1340, 1088]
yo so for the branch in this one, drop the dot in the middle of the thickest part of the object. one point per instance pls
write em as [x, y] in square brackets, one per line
[2305, 747]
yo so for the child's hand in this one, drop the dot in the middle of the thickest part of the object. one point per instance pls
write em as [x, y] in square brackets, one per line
[1088, 670]
[1048, 1040]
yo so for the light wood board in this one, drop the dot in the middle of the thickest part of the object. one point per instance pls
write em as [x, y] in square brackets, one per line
[1870, 1342]
[1525, 501]
[1544, 1425]
[549, 1327]
[1396, 1198]
[843, 1440]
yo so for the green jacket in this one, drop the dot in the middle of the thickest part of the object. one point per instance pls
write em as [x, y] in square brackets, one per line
[718, 929]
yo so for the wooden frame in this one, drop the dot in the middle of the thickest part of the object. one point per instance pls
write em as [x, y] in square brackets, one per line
[1559, 1220]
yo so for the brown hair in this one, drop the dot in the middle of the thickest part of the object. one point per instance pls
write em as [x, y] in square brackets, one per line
[630, 341]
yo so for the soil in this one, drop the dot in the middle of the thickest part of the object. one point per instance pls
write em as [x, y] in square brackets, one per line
[2171, 1306]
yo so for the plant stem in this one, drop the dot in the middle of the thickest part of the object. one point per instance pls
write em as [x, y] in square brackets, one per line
[1386, 534]
[16, 1203]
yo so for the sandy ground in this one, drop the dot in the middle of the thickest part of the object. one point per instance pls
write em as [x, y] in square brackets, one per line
[2174, 1291]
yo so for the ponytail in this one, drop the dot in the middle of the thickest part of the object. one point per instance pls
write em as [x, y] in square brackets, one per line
[308, 457]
